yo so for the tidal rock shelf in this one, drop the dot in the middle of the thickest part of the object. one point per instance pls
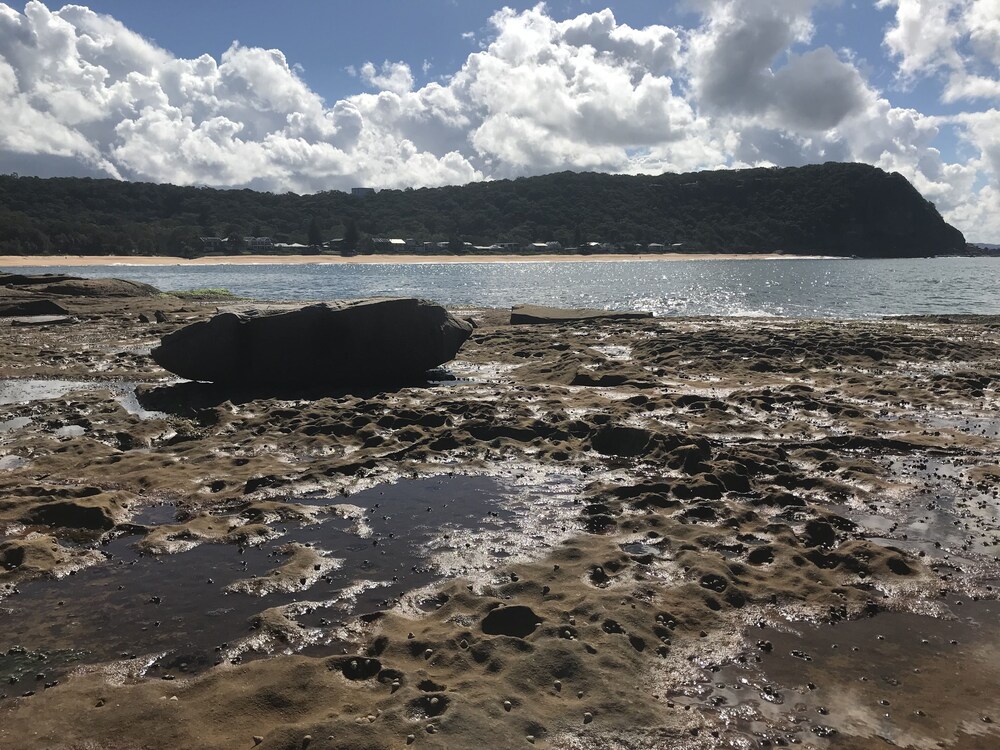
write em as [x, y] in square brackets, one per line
[743, 533]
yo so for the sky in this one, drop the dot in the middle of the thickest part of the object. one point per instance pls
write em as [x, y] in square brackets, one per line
[308, 95]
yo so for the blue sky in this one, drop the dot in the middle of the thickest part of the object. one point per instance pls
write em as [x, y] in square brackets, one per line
[308, 96]
[327, 38]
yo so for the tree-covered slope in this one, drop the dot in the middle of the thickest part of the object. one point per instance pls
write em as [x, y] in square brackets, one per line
[832, 209]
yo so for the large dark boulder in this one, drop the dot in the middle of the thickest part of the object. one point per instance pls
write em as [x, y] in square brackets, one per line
[357, 342]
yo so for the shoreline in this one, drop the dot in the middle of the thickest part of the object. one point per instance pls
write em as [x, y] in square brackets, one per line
[51, 261]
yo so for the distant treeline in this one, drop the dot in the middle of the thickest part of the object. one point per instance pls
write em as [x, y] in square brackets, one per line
[830, 209]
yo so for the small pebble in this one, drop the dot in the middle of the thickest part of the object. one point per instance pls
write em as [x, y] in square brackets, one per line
[410, 739]
[507, 706]
[257, 739]
[588, 717]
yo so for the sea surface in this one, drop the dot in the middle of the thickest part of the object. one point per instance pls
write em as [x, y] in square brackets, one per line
[842, 288]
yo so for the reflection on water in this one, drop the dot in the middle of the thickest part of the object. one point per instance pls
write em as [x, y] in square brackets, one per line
[182, 607]
[790, 287]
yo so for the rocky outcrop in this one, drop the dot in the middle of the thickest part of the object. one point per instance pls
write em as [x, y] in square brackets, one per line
[97, 288]
[357, 342]
[59, 285]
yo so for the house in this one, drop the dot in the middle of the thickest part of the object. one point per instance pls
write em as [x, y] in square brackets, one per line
[656, 247]
[213, 243]
[258, 243]
[360, 192]
[385, 244]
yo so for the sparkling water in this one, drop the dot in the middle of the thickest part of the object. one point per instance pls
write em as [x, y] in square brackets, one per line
[848, 288]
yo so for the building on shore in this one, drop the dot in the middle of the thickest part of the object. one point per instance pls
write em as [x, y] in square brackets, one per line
[388, 244]
[360, 192]
[258, 244]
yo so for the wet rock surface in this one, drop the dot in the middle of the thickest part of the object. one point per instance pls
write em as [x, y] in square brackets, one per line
[647, 533]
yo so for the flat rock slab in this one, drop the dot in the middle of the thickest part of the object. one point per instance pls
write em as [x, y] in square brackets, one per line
[22, 279]
[26, 307]
[73, 286]
[42, 320]
[520, 314]
[97, 288]
[361, 342]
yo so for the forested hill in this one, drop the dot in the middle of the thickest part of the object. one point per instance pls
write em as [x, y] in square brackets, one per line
[830, 209]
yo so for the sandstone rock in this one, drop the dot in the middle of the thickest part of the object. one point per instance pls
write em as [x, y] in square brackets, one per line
[26, 307]
[356, 342]
[97, 288]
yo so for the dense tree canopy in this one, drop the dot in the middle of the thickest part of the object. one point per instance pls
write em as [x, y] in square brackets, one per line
[835, 209]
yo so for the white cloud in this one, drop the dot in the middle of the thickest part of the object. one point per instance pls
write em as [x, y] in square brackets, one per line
[575, 94]
[956, 39]
[924, 35]
[81, 86]
[392, 76]
[746, 85]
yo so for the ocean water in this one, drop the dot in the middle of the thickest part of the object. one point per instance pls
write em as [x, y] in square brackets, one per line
[848, 288]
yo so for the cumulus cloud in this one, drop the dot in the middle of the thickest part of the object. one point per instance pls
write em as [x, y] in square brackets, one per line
[578, 94]
[956, 39]
[744, 85]
[737, 68]
[392, 76]
[81, 86]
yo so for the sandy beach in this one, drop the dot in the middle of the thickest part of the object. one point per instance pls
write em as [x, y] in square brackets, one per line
[649, 533]
[18, 261]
